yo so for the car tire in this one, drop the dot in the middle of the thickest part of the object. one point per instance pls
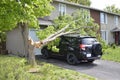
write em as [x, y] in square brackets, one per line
[90, 61]
[45, 53]
[71, 59]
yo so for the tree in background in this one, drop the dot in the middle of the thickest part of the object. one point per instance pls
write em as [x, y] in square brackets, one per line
[112, 9]
[82, 2]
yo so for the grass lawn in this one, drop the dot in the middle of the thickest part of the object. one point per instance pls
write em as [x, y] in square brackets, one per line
[14, 68]
[112, 54]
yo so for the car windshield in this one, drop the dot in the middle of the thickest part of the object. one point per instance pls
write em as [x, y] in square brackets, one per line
[88, 41]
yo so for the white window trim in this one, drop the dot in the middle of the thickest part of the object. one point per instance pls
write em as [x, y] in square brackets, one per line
[106, 21]
[116, 20]
[106, 35]
[60, 8]
[103, 18]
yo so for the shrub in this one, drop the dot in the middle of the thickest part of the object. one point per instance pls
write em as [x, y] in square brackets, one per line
[112, 54]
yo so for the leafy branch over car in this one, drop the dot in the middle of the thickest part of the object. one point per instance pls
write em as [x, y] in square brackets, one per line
[75, 49]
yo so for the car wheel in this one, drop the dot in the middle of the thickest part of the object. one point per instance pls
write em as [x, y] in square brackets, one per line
[71, 59]
[90, 61]
[45, 54]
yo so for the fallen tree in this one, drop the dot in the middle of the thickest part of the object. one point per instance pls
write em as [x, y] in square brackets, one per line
[77, 23]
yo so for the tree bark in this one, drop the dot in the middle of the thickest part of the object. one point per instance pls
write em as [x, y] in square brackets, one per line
[28, 46]
[31, 57]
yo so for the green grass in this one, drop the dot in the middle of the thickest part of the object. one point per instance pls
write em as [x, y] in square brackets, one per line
[14, 68]
[112, 54]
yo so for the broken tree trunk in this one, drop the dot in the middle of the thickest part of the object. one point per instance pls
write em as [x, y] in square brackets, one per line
[28, 44]
[31, 57]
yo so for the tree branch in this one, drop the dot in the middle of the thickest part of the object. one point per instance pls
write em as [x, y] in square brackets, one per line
[63, 29]
[57, 34]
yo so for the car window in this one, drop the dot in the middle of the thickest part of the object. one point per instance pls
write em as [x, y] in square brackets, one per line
[88, 41]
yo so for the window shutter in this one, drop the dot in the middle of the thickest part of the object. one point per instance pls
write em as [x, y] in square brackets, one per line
[106, 21]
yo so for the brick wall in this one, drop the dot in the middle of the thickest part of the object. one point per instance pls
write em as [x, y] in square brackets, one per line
[95, 15]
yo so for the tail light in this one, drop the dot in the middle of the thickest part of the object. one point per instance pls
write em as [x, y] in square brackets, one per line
[82, 46]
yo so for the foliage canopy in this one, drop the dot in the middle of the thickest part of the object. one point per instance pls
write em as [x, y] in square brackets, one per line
[112, 9]
[13, 12]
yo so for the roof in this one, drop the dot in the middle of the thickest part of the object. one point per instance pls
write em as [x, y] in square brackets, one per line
[86, 7]
[116, 29]
[77, 35]
[44, 22]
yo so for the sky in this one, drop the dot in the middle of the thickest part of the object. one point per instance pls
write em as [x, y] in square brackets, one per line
[101, 4]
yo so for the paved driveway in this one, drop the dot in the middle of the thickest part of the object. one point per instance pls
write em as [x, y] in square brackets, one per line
[103, 70]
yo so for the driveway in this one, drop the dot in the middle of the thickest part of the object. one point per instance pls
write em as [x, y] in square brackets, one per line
[103, 70]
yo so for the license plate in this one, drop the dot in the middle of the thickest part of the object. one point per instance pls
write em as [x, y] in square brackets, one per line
[88, 55]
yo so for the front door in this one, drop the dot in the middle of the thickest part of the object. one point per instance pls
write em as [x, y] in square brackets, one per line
[117, 38]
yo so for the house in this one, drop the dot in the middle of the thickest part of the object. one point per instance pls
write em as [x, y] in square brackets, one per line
[109, 25]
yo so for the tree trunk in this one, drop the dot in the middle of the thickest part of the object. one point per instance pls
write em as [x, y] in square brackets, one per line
[31, 57]
[28, 47]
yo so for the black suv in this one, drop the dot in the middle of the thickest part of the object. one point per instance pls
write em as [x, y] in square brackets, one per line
[76, 49]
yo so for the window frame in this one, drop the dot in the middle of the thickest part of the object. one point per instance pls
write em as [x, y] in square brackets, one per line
[62, 9]
[116, 20]
[103, 18]
[105, 35]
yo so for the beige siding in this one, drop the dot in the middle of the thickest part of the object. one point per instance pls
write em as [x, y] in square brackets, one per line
[14, 43]
[55, 12]
[109, 26]
[119, 21]
[69, 10]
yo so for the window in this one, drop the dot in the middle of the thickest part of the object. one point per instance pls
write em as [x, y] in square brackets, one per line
[116, 20]
[104, 35]
[103, 18]
[62, 9]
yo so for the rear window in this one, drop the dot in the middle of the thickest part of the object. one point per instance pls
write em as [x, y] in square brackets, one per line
[88, 41]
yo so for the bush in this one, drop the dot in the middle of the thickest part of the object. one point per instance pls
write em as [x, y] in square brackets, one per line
[112, 54]
[113, 45]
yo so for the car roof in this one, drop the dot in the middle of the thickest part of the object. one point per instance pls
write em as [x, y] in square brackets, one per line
[77, 36]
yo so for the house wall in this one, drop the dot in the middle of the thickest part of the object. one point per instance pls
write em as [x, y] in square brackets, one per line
[119, 21]
[95, 15]
[69, 10]
[55, 12]
[109, 26]
[14, 42]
